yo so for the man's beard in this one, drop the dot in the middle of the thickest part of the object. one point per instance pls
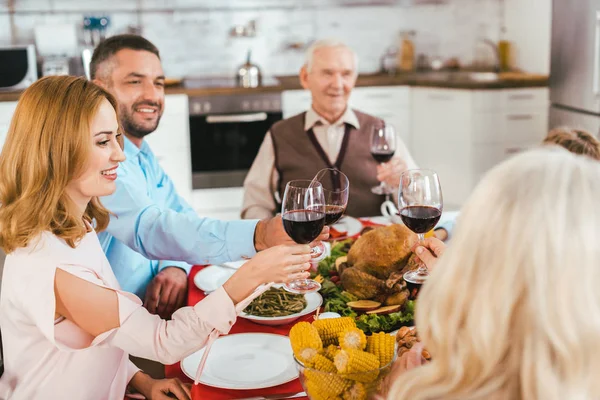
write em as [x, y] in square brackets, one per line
[131, 127]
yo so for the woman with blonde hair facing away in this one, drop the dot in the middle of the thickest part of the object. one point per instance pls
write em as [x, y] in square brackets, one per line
[67, 329]
[514, 312]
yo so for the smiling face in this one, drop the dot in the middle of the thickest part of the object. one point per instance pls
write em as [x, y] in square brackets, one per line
[137, 81]
[98, 178]
[330, 80]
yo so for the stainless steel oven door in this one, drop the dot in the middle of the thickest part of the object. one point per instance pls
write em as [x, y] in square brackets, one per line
[224, 146]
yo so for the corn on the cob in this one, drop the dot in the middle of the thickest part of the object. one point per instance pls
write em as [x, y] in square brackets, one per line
[353, 338]
[355, 392]
[329, 329]
[305, 341]
[330, 351]
[322, 363]
[321, 385]
[357, 365]
[382, 345]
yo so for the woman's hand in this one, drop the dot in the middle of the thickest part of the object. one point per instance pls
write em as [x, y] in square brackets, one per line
[410, 359]
[429, 251]
[281, 263]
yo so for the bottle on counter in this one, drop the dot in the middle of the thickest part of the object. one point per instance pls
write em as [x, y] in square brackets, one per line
[505, 55]
[406, 55]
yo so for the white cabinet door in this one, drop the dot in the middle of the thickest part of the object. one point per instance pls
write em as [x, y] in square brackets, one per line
[390, 103]
[171, 144]
[221, 203]
[7, 109]
[441, 128]
[461, 134]
[173, 131]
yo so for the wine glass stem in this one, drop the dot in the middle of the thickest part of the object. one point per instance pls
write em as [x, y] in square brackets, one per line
[421, 237]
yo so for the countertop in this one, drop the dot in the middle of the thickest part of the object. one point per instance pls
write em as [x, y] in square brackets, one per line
[449, 80]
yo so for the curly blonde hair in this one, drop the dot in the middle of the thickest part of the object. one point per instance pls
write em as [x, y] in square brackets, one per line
[47, 146]
[513, 312]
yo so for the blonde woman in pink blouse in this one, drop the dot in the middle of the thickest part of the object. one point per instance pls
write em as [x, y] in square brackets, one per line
[67, 328]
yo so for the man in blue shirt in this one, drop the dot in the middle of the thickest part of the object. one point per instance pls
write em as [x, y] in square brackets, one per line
[151, 221]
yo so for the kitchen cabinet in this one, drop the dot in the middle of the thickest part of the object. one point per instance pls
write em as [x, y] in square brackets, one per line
[220, 203]
[463, 133]
[171, 144]
[7, 109]
[390, 103]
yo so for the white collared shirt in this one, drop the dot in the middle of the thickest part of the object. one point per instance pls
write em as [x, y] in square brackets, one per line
[261, 181]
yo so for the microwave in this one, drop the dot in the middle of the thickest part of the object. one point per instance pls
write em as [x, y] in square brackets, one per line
[18, 67]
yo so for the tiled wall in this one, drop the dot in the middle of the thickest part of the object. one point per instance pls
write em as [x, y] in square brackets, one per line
[193, 36]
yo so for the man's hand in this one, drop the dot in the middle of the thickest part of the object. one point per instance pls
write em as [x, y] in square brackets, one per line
[270, 232]
[390, 172]
[167, 292]
[159, 389]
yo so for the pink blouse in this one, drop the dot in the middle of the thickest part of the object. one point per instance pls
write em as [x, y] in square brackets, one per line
[55, 359]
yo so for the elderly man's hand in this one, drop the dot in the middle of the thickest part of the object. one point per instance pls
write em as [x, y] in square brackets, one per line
[390, 172]
[270, 232]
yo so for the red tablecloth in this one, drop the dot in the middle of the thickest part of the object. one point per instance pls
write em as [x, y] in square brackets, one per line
[203, 392]
[241, 326]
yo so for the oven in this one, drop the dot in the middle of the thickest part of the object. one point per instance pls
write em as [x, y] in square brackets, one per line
[226, 132]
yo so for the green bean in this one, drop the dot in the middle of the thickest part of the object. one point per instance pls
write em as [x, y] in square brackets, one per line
[276, 302]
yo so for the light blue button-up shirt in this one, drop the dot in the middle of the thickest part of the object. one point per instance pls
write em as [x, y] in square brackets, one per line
[152, 222]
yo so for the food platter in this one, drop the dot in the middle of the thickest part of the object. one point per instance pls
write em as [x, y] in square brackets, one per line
[312, 300]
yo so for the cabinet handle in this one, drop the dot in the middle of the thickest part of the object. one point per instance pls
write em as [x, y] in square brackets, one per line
[379, 96]
[440, 97]
[521, 117]
[221, 119]
[524, 96]
[513, 150]
[595, 78]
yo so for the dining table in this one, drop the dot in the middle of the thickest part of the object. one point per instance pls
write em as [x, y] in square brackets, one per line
[283, 391]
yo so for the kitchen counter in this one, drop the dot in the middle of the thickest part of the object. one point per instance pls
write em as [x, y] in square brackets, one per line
[440, 79]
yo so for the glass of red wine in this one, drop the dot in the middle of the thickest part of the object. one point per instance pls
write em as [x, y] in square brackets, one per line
[383, 147]
[336, 188]
[420, 202]
[303, 214]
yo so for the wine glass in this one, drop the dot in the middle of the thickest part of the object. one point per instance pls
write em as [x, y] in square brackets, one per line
[383, 147]
[336, 188]
[303, 215]
[420, 202]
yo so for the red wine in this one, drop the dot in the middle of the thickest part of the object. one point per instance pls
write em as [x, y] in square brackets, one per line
[303, 226]
[333, 214]
[420, 219]
[382, 156]
[413, 289]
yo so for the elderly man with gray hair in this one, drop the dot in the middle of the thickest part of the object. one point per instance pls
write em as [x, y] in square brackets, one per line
[329, 135]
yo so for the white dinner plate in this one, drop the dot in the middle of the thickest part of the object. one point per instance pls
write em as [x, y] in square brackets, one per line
[212, 277]
[350, 225]
[245, 361]
[313, 301]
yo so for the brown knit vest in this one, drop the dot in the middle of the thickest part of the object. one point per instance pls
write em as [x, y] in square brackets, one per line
[298, 155]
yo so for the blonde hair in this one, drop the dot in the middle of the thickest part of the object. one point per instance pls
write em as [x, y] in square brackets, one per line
[327, 43]
[47, 146]
[576, 141]
[512, 310]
